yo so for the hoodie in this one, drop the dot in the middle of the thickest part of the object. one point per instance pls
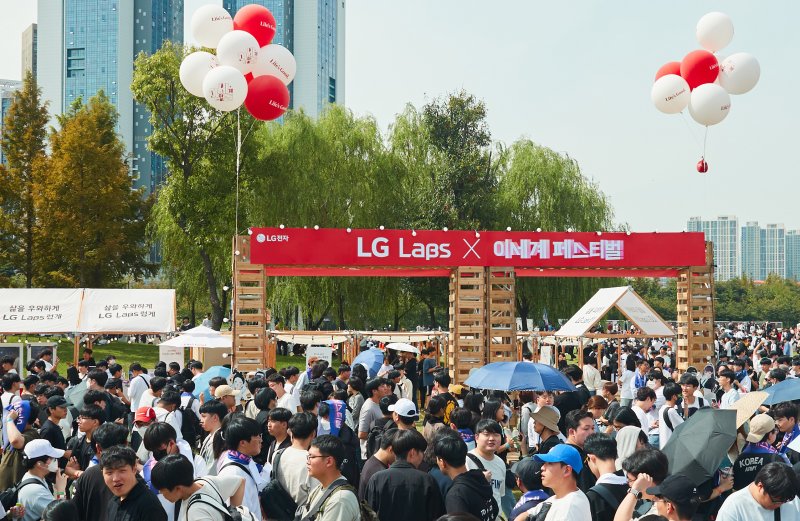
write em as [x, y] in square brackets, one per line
[627, 437]
[471, 493]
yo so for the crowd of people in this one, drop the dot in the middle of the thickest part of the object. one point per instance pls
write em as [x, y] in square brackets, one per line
[314, 442]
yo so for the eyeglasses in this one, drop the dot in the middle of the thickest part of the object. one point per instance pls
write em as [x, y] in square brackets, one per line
[310, 457]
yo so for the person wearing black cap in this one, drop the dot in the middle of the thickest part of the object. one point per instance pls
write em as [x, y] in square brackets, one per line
[676, 498]
[529, 480]
[50, 431]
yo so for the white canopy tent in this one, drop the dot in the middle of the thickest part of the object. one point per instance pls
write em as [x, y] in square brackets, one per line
[200, 336]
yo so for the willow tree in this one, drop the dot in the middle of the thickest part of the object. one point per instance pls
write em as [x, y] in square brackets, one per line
[542, 189]
[334, 171]
[194, 213]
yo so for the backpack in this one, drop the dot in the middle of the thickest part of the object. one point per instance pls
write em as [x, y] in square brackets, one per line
[607, 496]
[374, 437]
[366, 512]
[240, 513]
[10, 496]
[350, 467]
[278, 505]
[451, 404]
[679, 406]
[190, 424]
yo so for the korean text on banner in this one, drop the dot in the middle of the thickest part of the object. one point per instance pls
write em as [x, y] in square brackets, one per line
[171, 354]
[321, 352]
[128, 310]
[34, 310]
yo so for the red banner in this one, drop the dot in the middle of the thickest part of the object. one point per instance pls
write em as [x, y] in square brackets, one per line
[436, 248]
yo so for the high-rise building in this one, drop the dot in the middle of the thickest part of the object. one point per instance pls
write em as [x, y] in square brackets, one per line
[7, 90]
[773, 247]
[724, 233]
[313, 30]
[793, 255]
[85, 46]
[29, 50]
[751, 251]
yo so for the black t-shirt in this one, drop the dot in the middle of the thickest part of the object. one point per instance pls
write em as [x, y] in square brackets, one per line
[52, 433]
[92, 496]
[411, 369]
[548, 444]
[601, 509]
[371, 466]
[82, 451]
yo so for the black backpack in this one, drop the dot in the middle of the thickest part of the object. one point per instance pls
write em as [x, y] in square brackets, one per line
[10, 496]
[190, 424]
[351, 466]
[375, 435]
[278, 505]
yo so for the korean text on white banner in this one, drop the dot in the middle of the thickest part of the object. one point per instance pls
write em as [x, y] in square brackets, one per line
[128, 311]
[172, 354]
[320, 352]
[35, 310]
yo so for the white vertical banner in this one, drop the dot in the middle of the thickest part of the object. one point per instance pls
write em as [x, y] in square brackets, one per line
[321, 352]
[39, 310]
[128, 311]
[172, 354]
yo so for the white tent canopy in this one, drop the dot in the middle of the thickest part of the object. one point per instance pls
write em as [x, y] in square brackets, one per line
[310, 339]
[627, 302]
[403, 336]
[200, 336]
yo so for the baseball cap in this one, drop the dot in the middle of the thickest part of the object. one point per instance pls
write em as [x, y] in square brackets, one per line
[760, 425]
[145, 414]
[39, 448]
[56, 401]
[676, 488]
[563, 453]
[405, 407]
[456, 389]
[529, 472]
[225, 390]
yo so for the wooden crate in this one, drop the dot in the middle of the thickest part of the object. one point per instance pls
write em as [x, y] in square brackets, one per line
[252, 349]
[695, 307]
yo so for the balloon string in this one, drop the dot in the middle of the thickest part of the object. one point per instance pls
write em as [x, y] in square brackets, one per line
[705, 139]
[689, 127]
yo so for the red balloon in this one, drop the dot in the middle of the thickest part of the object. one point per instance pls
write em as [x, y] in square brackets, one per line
[256, 20]
[702, 166]
[699, 67]
[267, 98]
[248, 77]
[669, 68]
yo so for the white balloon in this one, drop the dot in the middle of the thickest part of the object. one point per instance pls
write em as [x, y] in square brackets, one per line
[238, 49]
[194, 69]
[714, 31]
[276, 60]
[709, 104]
[210, 23]
[225, 88]
[739, 73]
[670, 94]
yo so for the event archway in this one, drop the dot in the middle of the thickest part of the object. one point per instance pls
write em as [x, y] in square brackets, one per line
[482, 267]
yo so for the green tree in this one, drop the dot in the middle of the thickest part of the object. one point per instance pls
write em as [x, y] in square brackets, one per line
[92, 221]
[541, 189]
[194, 211]
[23, 143]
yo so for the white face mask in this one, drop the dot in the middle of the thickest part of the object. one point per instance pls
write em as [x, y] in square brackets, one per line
[651, 384]
[53, 465]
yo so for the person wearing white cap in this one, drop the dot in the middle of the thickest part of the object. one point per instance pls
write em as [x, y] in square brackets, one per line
[404, 414]
[40, 459]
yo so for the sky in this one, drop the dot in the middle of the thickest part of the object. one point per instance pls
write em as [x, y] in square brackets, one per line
[576, 77]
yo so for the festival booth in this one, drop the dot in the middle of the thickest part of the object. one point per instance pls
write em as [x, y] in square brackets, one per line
[76, 311]
[482, 267]
[205, 344]
[627, 302]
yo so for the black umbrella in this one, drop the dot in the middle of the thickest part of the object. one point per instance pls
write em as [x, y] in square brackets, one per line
[698, 445]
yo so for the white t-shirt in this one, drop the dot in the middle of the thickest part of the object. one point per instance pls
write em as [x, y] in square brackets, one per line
[138, 385]
[498, 470]
[225, 485]
[741, 506]
[253, 483]
[625, 391]
[664, 432]
[293, 474]
[728, 399]
[574, 505]
[646, 419]
[174, 418]
[289, 401]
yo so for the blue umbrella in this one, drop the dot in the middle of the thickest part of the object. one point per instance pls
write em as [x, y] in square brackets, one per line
[784, 391]
[519, 376]
[201, 384]
[372, 359]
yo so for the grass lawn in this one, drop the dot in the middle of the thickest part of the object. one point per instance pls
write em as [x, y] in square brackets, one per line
[126, 354]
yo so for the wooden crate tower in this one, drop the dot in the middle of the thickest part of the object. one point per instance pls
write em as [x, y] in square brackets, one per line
[467, 346]
[696, 314]
[501, 315]
[251, 348]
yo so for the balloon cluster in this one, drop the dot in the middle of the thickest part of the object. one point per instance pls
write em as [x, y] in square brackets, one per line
[704, 79]
[247, 68]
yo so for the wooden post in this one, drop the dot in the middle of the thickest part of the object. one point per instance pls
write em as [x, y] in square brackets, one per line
[249, 322]
[467, 322]
[695, 308]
